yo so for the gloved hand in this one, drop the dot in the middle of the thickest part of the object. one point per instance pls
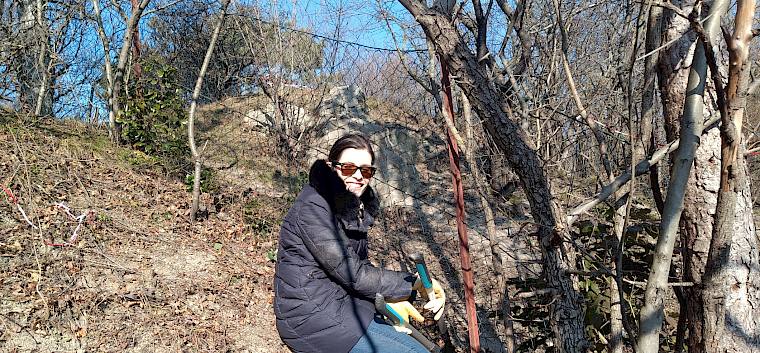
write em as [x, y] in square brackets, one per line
[405, 310]
[436, 305]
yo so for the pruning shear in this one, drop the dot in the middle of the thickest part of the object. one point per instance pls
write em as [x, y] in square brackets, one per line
[427, 282]
[422, 271]
[393, 318]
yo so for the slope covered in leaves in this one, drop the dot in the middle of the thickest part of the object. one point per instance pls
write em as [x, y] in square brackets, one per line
[97, 252]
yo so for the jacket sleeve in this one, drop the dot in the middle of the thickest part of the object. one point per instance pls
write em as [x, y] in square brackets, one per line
[330, 249]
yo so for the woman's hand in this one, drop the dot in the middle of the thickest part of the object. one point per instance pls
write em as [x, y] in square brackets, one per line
[405, 309]
[435, 305]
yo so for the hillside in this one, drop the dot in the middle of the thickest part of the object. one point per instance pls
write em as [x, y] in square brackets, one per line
[139, 277]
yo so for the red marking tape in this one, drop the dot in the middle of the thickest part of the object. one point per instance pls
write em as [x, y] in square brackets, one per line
[10, 195]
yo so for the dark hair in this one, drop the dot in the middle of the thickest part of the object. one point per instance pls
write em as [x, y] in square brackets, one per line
[357, 141]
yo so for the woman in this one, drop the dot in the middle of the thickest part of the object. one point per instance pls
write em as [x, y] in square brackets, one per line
[324, 285]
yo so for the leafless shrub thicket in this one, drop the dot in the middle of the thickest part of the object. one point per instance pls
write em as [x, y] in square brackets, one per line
[569, 96]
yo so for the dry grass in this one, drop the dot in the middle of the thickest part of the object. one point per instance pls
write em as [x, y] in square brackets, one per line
[142, 278]
[139, 276]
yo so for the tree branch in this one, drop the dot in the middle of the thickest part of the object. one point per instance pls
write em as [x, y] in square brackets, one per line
[194, 104]
[121, 11]
[400, 54]
[641, 168]
[161, 7]
[602, 144]
[696, 24]
[481, 21]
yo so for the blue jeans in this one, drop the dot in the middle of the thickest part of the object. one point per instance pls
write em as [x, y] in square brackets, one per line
[382, 338]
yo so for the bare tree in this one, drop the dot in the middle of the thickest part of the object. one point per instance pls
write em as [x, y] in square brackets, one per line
[501, 100]
[518, 148]
[732, 259]
[116, 84]
[32, 57]
[285, 63]
[106, 44]
[197, 161]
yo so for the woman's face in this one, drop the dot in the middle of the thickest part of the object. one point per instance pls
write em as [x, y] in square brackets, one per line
[355, 183]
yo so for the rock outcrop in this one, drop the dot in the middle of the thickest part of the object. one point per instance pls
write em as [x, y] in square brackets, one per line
[396, 147]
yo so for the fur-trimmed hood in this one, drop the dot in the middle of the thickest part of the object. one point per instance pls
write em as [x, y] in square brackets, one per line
[344, 204]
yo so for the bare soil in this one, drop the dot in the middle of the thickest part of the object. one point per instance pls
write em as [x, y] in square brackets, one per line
[139, 277]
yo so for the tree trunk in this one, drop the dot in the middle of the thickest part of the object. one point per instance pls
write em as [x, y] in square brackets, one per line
[690, 131]
[731, 279]
[116, 84]
[672, 73]
[33, 64]
[653, 41]
[696, 225]
[136, 46]
[107, 63]
[567, 310]
[44, 102]
[191, 118]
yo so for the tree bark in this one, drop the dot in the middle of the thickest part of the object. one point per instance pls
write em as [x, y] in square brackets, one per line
[197, 161]
[690, 131]
[134, 19]
[107, 63]
[567, 311]
[35, 93]
[136, 46]
[672, 71]
[700, 207]
[44, 101]
[731, 280]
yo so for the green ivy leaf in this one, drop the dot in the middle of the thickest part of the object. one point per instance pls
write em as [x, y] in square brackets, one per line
[272, 255]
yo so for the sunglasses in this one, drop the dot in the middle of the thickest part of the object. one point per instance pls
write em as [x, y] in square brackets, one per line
[348, 169]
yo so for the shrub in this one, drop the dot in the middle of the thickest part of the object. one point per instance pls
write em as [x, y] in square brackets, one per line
[154, 118]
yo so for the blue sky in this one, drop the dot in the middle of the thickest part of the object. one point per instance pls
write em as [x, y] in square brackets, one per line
[359, 21]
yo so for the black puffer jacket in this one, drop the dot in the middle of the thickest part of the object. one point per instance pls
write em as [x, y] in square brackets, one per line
[324, 285]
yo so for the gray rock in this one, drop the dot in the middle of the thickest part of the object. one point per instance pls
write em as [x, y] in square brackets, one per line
[396, 147]
[264, 119]
[344, 102]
